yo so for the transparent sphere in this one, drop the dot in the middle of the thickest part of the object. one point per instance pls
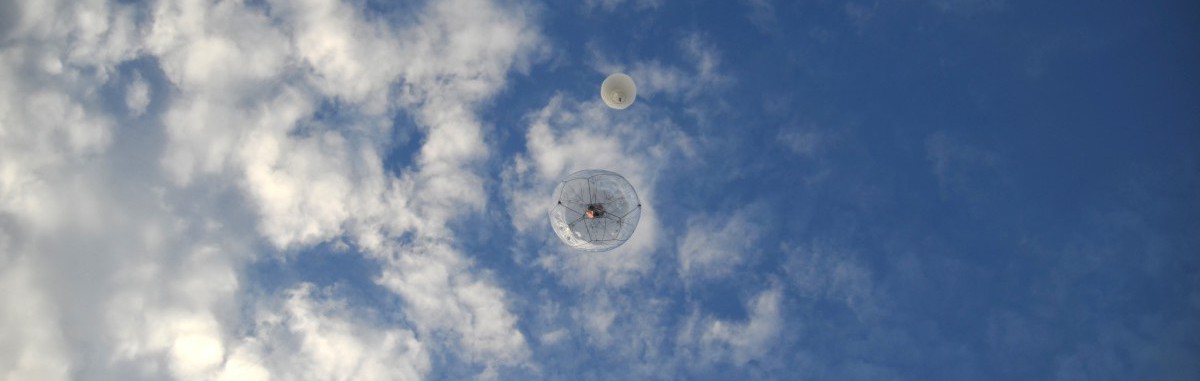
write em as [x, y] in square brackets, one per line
[595, 210]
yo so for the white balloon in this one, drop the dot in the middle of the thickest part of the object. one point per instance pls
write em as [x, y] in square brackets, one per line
[618, 91]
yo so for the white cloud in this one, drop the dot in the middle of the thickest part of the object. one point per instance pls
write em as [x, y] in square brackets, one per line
[703, 78]
[712, 340]
[860, 14]
[968, 7]
[443, 296]
[10, 15]
[630, 327]
[803, 142]
[698, 84]
[965, 171]
[822, 272]
[244, 364]
[762, 14]
[127, 243]
[553, 337]
[612, 5]
[37, 349]
[137, 95]
[706, 56]
[716, 244]
[567, 136]
[328, 182]
[323, 341]
[101, 272]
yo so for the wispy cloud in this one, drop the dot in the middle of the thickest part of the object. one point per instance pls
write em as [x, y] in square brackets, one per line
[716, 244]
[762, 15]
[711, 341]
[569, 135]
[804, 142]
[820, 271]
[703, 74]
[965, 171]
[613, 5]
[309, 335]
[968, 7]
[860, 14]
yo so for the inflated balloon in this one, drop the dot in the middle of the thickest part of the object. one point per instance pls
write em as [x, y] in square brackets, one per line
[595, 210]
[618, 91]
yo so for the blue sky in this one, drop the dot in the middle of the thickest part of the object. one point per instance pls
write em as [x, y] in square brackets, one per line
[832, 190]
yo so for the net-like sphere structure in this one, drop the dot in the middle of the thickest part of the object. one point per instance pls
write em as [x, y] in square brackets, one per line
[595, 210]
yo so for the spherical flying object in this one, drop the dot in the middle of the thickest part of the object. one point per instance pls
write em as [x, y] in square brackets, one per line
[595, 210]
[618, 91]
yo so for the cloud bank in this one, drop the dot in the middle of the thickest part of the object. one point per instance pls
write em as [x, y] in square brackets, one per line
[127, 224]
